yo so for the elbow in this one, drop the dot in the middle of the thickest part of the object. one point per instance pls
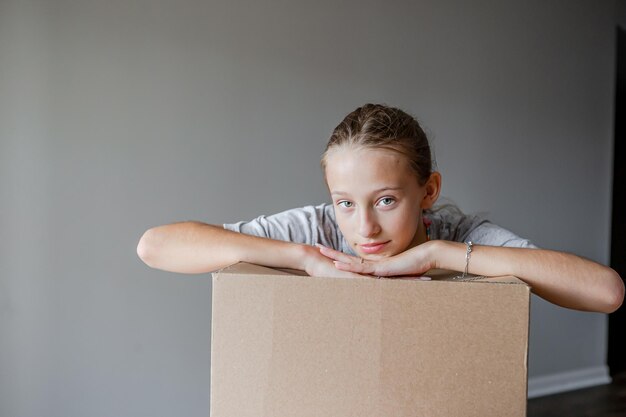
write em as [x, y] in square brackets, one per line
[615, 293]
[148, 248]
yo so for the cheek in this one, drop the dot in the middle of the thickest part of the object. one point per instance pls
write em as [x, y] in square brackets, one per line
[404, 224]
[344, 224]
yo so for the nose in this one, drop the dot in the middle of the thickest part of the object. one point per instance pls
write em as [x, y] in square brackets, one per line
[368, 225]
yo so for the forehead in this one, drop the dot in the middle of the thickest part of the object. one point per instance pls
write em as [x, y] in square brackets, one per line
[362, 170]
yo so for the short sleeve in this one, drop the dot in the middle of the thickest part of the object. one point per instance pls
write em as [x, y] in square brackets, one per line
[489, 234]
[449, 223]
[308, 225]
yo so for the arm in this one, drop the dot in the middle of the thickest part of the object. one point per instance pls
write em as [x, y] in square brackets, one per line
[560, 278]
[194, 247]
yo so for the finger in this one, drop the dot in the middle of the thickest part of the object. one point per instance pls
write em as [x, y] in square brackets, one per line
[375, 268]
[360, 268]
[336, 255]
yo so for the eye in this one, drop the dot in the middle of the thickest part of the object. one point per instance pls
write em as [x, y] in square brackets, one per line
[386, 201]
[345, 204]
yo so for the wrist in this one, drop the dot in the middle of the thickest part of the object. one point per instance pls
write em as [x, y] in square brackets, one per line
[273, 253]
[303, 255]
[452, 256]
[437, 253]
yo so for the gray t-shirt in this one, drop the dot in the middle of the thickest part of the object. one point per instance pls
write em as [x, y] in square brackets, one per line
[317, 224]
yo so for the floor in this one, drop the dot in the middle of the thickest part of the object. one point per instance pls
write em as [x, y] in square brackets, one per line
[602, 401]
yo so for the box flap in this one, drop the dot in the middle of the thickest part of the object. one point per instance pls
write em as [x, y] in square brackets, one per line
[246, 268]
[433, 274]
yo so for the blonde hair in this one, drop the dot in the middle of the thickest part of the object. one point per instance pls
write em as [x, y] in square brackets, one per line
[381, 126]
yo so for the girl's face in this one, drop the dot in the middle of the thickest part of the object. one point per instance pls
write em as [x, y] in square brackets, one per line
[378, 200]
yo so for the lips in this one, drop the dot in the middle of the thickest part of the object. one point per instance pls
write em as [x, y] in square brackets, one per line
[375, 247]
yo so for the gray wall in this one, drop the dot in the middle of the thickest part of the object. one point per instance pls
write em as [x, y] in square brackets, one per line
[116, 116]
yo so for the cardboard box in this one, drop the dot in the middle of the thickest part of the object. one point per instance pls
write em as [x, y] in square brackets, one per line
[287, 345]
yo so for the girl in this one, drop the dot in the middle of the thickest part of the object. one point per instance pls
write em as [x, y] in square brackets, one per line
[382, 222]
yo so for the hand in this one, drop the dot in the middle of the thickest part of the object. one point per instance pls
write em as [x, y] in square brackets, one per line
[414, 261]
[318, 265]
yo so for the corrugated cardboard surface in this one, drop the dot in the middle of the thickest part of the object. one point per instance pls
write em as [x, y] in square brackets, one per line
[289, 345]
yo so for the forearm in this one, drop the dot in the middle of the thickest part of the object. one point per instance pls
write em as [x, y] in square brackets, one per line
[561, 278]
[193, 247]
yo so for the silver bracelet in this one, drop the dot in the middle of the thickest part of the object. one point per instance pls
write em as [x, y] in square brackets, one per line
[468, 255]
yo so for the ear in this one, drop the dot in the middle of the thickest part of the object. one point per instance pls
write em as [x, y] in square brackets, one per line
[433, 188]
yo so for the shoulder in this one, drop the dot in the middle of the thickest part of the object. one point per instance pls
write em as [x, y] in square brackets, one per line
[448, 222]
[309, 224]
[305, 214]
[311, 214]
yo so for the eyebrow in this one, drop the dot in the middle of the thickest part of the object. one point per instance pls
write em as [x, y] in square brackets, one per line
[373, 192]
